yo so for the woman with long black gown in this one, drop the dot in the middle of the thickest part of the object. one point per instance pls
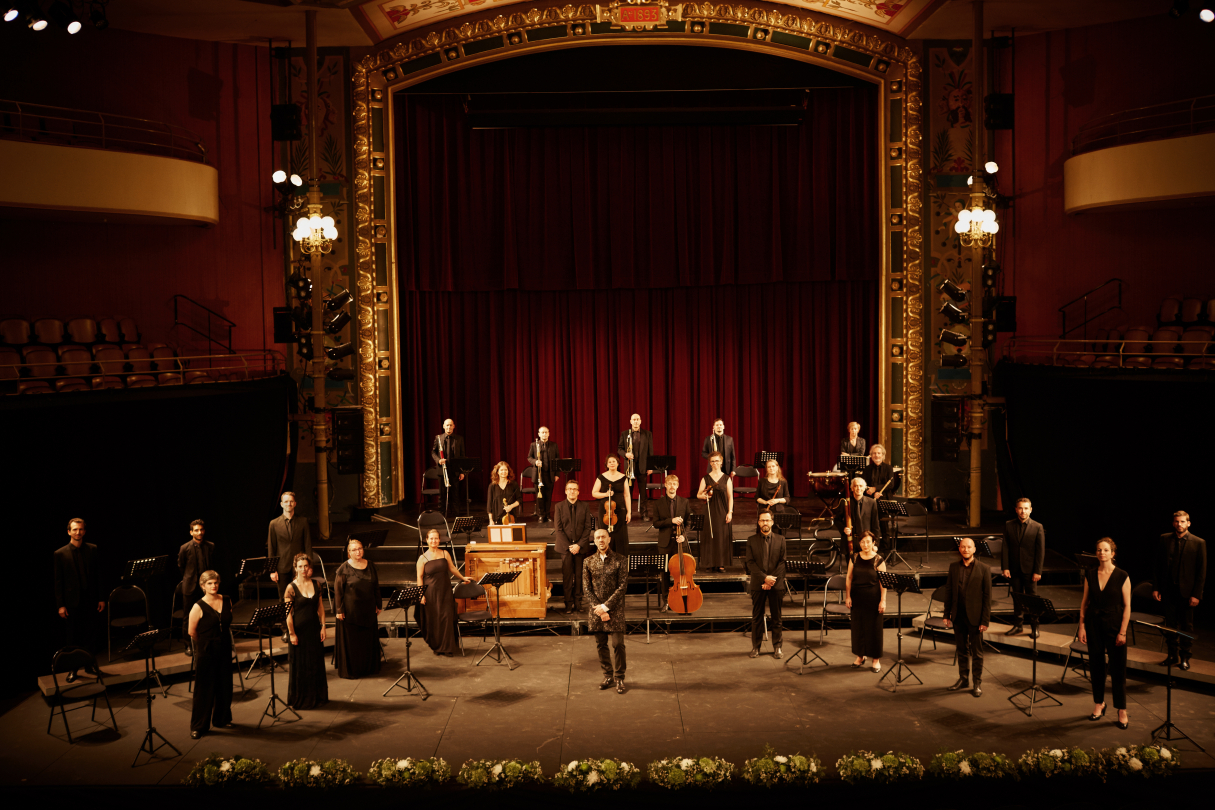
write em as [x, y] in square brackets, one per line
[1105, 611]
[773, 490]
[502, 497]
[717, 542]
[867, 600]
[210, 633]
[307, 686]
[614, 483]
[356, 589]
[437, 613]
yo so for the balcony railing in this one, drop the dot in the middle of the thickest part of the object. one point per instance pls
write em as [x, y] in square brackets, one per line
[1169, 120]
[1139, 354]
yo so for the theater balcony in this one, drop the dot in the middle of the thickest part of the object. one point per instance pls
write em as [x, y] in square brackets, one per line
[1157, 156]
[78, 164]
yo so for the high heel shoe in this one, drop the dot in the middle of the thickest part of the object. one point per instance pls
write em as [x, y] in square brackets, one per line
[858, 664]
[1122, 725]
[1095, 717]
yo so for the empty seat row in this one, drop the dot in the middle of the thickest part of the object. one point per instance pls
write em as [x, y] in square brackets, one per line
[41, 370]
[1177, 310]
[19, 332]
[1139, 347]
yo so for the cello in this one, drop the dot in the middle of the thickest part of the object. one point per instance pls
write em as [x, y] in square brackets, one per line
[685, 595]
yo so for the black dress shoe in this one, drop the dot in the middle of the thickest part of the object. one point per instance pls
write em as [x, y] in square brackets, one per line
[194, 735]
[608, 680]
[1016, 629]
[755, 653]
[1184, 664]
[71, 678]
[1033, 631]
[1170, 661]
[978, 690]
[189, 651]
[620, 687]
[961, 683]
[1096, 717]
[1122, 725]
[568, 610]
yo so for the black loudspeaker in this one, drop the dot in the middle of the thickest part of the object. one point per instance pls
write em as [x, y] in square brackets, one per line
[347, 439]
[1004, 313]
[998, 111]
[948, 423]
[284, 329]
[286, 122]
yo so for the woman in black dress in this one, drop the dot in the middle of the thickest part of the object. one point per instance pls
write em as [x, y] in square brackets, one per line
[502, 498]
[773, 488]
[867, 600]
[717, 544]
[307, 686]
[614, 483]
[210, 625]
[1105, 611]
[437, 613]
[356, 589]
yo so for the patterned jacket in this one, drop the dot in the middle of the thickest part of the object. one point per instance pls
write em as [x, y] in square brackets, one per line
[604, 583]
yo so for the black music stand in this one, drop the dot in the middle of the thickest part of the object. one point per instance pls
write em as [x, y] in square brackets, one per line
[497, 579]
[694, 523]
[146, 568]
[370, 538]
[145, 643]
[894, 510]
[406, 596]
[462, 525]
[464, 466]
[900, 584]
[806, 570]
[647, 565]
[762, 457]
[269, 618]
[253, 568]
[664, 465]
[1165, 730]
[567, 466]
[1035, 608]
[852, 464]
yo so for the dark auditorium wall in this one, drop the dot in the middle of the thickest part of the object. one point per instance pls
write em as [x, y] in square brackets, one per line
[220, 91]
[1063, 81]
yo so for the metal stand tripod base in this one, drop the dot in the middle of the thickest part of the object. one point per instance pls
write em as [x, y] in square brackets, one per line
[1036, 695]
[408, 676]
[897, 671]
[804, 654]
[148, 748]
[895, 558]
[154, 675]
[1166, 731]
[273, 710]
[498, 651]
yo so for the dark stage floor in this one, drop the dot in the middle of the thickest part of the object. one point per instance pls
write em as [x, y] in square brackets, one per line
[690, 694]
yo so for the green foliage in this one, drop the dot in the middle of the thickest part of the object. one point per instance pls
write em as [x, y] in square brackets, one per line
[408, 771]
[485, 773]
[679, 772]
[597, 774]
[862, 766]
[307, 773]
[772, 769]
[218, 771]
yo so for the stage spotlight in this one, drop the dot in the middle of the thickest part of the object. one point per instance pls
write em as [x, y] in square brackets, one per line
[340, 300]
[303, 345]
[1206, 15]
[11, 14]
[64, 17]
[302, 316]
[37, 22]
[340, 374]
[953, 338]
[335, 322]
[953, 291]
[97, 16]
[954, 361]
[1179, 8]
[990, 271]
[991, 167]
[279, 176]
[338, 352]
[301, 285]
[955, 315]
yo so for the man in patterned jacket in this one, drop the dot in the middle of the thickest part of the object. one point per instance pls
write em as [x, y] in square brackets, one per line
[605, 578]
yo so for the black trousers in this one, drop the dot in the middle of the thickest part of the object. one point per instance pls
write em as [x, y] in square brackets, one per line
[1180, 616]
[970, 645]
[1022, 583]
[611, 655]
[544, 506]
[772, 599]
[1101, 643]
[80, 627]
[212, 684]
[571, 576]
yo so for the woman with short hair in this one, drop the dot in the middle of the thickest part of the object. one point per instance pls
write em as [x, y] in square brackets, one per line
[356, 591]
[210, 634]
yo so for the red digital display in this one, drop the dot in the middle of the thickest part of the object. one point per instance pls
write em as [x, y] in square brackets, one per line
[639, 15]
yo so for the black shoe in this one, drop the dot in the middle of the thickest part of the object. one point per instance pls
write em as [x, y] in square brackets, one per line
[568, 610]
[777, 654]
[189, 651]
[1016, 629]
[755, 652]
[1184, 663]
[664, 607]
[961, 683]
[194, 735]
[1095, 717]
[71, 678]
[620, 688]
[1122, 725]
[978, 690]
[1170, 661]
[1033, 631]
[608, 680]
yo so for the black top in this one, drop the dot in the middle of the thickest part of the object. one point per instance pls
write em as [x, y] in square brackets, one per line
[857, 449]
[1105, 604]
[496, 499]
[192, 559]
[356, 594]
[876, 476]
[213, 625]
[1181, 565]
[548, 452]
[643, 448]
[450, 446]
[767, 490]
[617, 488]
[285, 539]
[725, 446]
[77, 581]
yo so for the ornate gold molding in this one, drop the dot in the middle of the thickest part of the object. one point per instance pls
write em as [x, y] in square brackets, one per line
[365, 281]
[914, 281]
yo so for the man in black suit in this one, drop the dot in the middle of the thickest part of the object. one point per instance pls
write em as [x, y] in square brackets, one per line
[540, 454]
[194, 557]
[766, 564]
[719, 442]
[288, 535]
[863, 512]
[573, 523]
[636, 445]
[670, 512]
[1181, 571]
[1021, 559]
[968, 611]
[78, 589]
[448, 445]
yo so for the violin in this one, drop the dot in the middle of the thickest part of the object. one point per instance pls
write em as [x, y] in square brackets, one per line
[508, 519]
[609, 512]
[684, 596]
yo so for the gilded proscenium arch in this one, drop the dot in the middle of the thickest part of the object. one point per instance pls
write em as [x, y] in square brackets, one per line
[807, 37]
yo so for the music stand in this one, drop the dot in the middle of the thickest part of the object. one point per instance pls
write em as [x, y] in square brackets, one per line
[806, 570]
[900, 584]
[253, 568]
[1166, 729]
[762, 457]
[406, 596]
[1035, 608]
[465, 525]
[894, 510]
[661, 464]
[694, 523]
[464, 466]
[852, 463]
[144, 643]
[146, 568]
[647, 565]
[269, 617]
[370, 538]
[497, 579]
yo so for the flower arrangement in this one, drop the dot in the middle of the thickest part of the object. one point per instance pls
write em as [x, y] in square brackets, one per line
[408, 771]
[307, 773]
[1138, 760]
[859, 766]
[484, 773]
[597, 774]
[771, 769]
[1048, 762]
[678, 772]
[959, 765]
[216, 771]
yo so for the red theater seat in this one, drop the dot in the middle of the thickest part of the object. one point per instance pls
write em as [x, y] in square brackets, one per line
[108, 331]
[130, 332]
[48, 331]
[42, 361]
[15, 332]
[1134, 346]
[34, 387]
[1191, 311]
[82, 330]
[10, 364]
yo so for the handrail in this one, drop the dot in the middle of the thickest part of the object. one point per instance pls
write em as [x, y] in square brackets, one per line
[1060, 348]
[92, 129]
[210, 313]
[1176, 118]
[1084, 297]
[264, 360]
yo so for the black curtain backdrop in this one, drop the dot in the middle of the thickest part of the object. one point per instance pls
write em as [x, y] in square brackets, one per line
[571, 277]
[138, 466]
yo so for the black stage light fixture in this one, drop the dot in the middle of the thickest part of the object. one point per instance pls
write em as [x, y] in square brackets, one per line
[953, 291]
[340, 374]
[64, 17]
[338, 301]
[302, 316]
[954, 361]
[955, 315]
[97, 15]
[338, 352]
[12, 14]
[33, 15]
[989, 333]
[335, 322]
[953, 338]
[303, 345]
[301, 285]
[990, 271]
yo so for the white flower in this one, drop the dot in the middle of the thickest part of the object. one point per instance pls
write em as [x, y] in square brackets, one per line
[781, 760]
[1056, 753]
[226, 765]
[875, 764]
[592, 777]
[1135, 764]
[1165, 753]
[686, 763]
[813, 766]
[573, 766]
[315, 770]
[965, 767]
[1121, 752]
[497, 771]
[625, 767]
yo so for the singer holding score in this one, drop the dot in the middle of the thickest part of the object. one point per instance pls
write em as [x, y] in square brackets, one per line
[540, 454]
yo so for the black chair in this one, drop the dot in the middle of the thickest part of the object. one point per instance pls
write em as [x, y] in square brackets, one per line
[321, 582]
[471, 590]
[124, 601]
[936, 624]
[82, 690]
[1079, 650]
[529, 473]
[432, 519]
[743, 471]
[178, 614]
[430, 486]
[837, 584]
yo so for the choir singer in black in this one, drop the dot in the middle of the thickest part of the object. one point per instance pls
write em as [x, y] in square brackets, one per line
[448, 445]
[78, 593]
[1021, 560]
[1105, 612]
[968, 611]
[1181, 571]
[719, 442]
[193, 558]
[766, 565]
[635, 447]
[854, 445]
[573, 524]
[672, 511]
[540, 454]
